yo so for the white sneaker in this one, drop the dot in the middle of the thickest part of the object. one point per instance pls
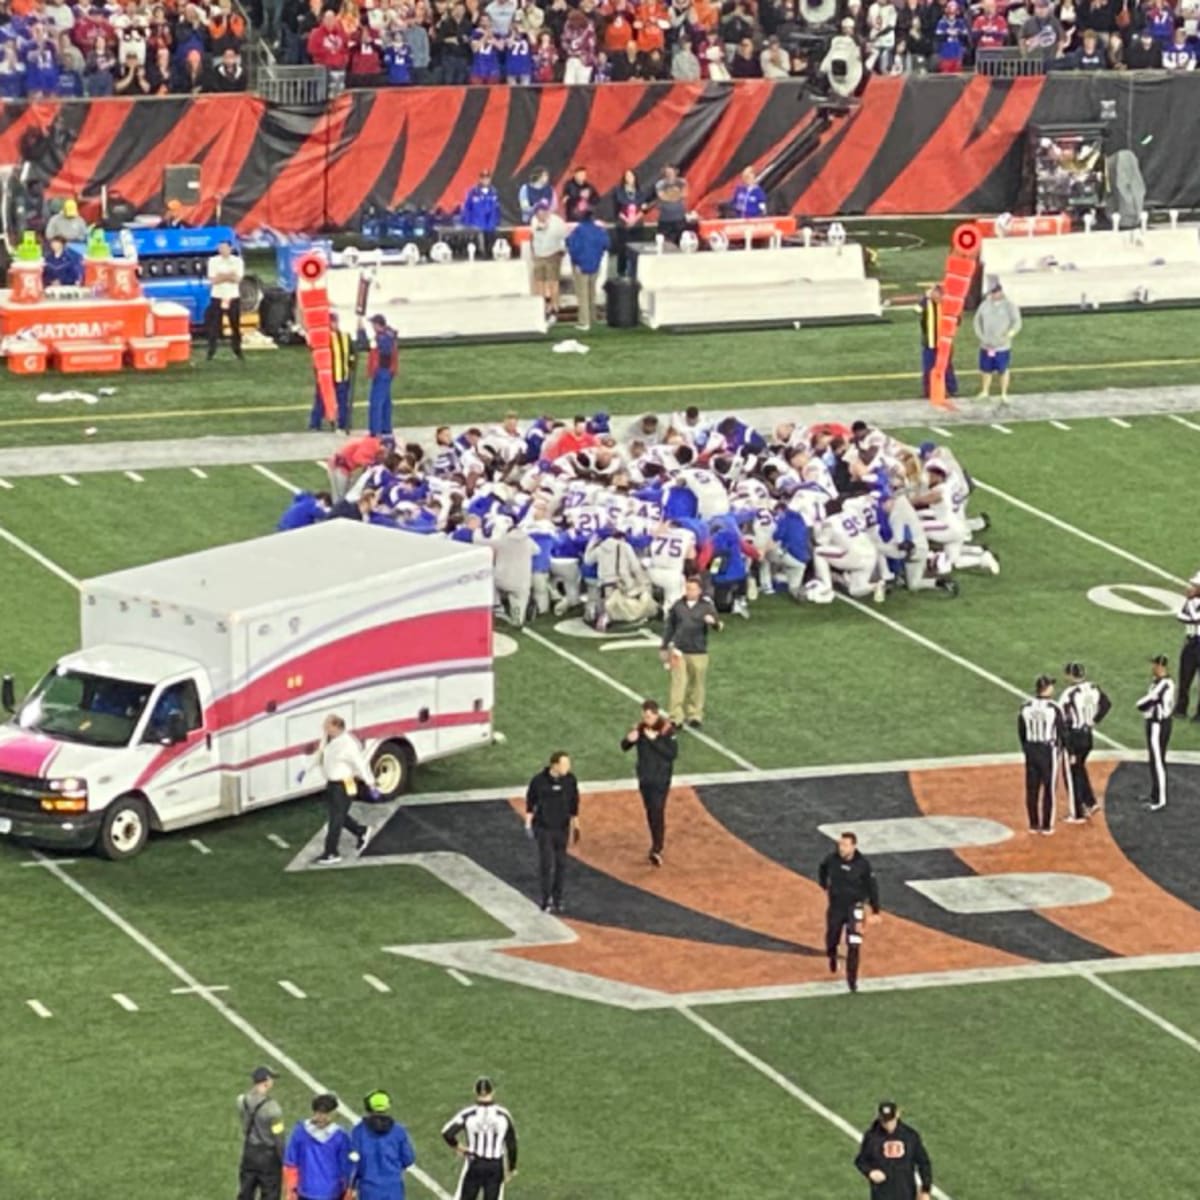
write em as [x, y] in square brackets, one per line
[583, 328]
[988, 563]
[741, 609]
[880, 593]
[751, 588]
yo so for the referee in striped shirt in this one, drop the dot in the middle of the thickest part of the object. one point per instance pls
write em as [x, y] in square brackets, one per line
[1157, 706]
[488, 1145]
[1083, 706]
[1189, 656]
[1042, 731]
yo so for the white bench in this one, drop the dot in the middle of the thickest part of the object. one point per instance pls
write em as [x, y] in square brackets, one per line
[790, 283]
[1074, 270]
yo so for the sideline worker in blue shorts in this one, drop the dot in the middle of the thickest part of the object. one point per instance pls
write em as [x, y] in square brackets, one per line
[997, 322]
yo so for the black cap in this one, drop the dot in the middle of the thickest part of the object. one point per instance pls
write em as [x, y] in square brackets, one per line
[1074, 670]
[1161, 660]
[484, 1087]
[262, 1074]
[889, 1110]
[1043, 681]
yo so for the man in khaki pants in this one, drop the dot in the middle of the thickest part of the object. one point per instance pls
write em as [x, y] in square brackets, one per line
[685, 651]
[587, 245]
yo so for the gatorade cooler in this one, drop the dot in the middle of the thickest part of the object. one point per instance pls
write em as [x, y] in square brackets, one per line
[123, 279]
[97, 274]
[25, 282]
[76, 358]
[27, 358]
[172, 322]
[149, 354]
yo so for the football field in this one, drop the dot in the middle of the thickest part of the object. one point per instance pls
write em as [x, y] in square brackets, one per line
[1030, 1002]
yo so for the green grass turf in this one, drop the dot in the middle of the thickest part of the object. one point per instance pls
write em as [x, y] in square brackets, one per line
[1032, 1090]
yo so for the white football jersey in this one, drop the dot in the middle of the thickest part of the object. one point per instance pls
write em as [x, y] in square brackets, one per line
[668, 551]
[712, 499]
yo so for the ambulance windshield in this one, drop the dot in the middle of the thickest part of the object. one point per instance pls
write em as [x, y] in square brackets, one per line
[90, 709]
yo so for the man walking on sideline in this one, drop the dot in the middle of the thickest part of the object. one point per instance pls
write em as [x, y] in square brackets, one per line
[846, 877]
[1156, 706]
[685, 652]
[1189, 656]
[892, 1155]
[997, 322]
[1042, 731]
[552, 820]
[1083, 706]
[225, 271]
[380, 1151]
[342, 760]
[260, 1172]
[489, 1148]
[316, 1164]
[654, 739]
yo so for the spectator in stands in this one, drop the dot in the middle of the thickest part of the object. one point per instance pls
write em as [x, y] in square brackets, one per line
[70, 66]
[1090, 55]
[397, 57]
[578, 48]
[629, 206]
[41, 65]
[327, 44]
[1042, 34]
[59, 16]
[619, 30]
[228, 75]
[736, 27]
[61, 266]
[191, 35]
[629, 64]
[132, 80]
[67, 224]
[502, 14]
[1160, 20]
[416, 37]
[159, 72]
[548, 245]
[904, 61]
[578, 194]
[749, 198]
[1179, 55]
[481, 210]
[774, 60]
[915, 25]
[225, 28]
[518, 58]
[1145, 54]
[99, 69]
[537, 189]
[453, 39]
[881, 35]
[745, 64]
[486, 52]
[989, 30]
[951, 38]
[587, 244]
[670, 193]
[1116, 53]
[685, 66]
[656, 66]
[1099, 16]
[364, 64]
[653, 23]
[190, 77]
[545, 58]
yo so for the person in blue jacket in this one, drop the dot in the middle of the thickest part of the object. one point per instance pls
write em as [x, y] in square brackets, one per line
[481, 209]
[306, 508]
[382, 366]
[728, 567]
[587, 244]
[749, 199]
[316, 1163]
[61, 266]
[380, 1151]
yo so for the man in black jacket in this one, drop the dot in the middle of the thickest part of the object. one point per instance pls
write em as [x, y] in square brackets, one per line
[847, 879]
[654, 737]
[684, 651]
[552, 819]
[892, 1155]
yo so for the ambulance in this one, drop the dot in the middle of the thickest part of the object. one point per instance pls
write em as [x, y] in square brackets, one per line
[202, 682]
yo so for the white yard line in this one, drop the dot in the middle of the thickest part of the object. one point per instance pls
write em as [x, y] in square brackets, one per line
[1075, 531]
[1184, 421]
[62, 862]
[1119, 423]
[456, 974]
[781, 1080]
[267, 473]
[596, 673]
[373, 981]
[1142, 1010]
[125, 1002]
[69, 480]
[276, 840]
[39, 558]
[1001, 428]
[957, 659]
[1060, 425]
[39, 1009]
[200, 989]
[292, 990]
[199, 474]
[272, 1051]
[5, 485]
[197, 845]
[134, 477]
[940, 431]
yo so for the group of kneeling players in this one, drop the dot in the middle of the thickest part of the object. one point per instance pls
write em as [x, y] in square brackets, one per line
[580, 517]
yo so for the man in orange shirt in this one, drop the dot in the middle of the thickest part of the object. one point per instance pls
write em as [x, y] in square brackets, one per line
[652, 22]
[356, 455]
[619, 29]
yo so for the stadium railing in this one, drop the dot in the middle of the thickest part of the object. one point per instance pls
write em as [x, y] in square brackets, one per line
[298, 87]
[1007, 62]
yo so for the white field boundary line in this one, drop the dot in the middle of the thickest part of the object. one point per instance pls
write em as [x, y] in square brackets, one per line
[608, 680]
[267, 473]
[1075, 531]
[1142, 1010]
[958, 660]
[269, 1048]
[39, 558]
[781, 1080]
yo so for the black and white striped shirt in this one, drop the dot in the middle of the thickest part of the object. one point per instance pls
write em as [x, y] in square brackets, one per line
[1084, 705]
[1189, 614]
[1158, 704]
[1040, 722]
[490, 1132]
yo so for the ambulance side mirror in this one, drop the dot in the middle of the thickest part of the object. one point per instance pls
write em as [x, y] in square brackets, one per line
[8, 694]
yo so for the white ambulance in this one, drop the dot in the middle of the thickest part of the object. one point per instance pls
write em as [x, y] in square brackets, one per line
[202, 682]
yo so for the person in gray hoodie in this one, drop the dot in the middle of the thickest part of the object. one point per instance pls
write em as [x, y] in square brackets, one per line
[997, 322]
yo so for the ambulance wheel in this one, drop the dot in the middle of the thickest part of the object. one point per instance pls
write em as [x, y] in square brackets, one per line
[125, 828]
[393, 767]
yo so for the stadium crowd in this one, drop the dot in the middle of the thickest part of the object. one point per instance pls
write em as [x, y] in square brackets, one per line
[580, 517]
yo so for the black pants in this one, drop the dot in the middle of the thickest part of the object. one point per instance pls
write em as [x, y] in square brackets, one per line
[1189, 666]
[654, 799]
[212, 323]
[552, 862]
[338, 801]
[839, 918]
[1079, 746]
[260, 1174]
[1039, 785]
[1158, 737]
[482, 1179]
[672, 230]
